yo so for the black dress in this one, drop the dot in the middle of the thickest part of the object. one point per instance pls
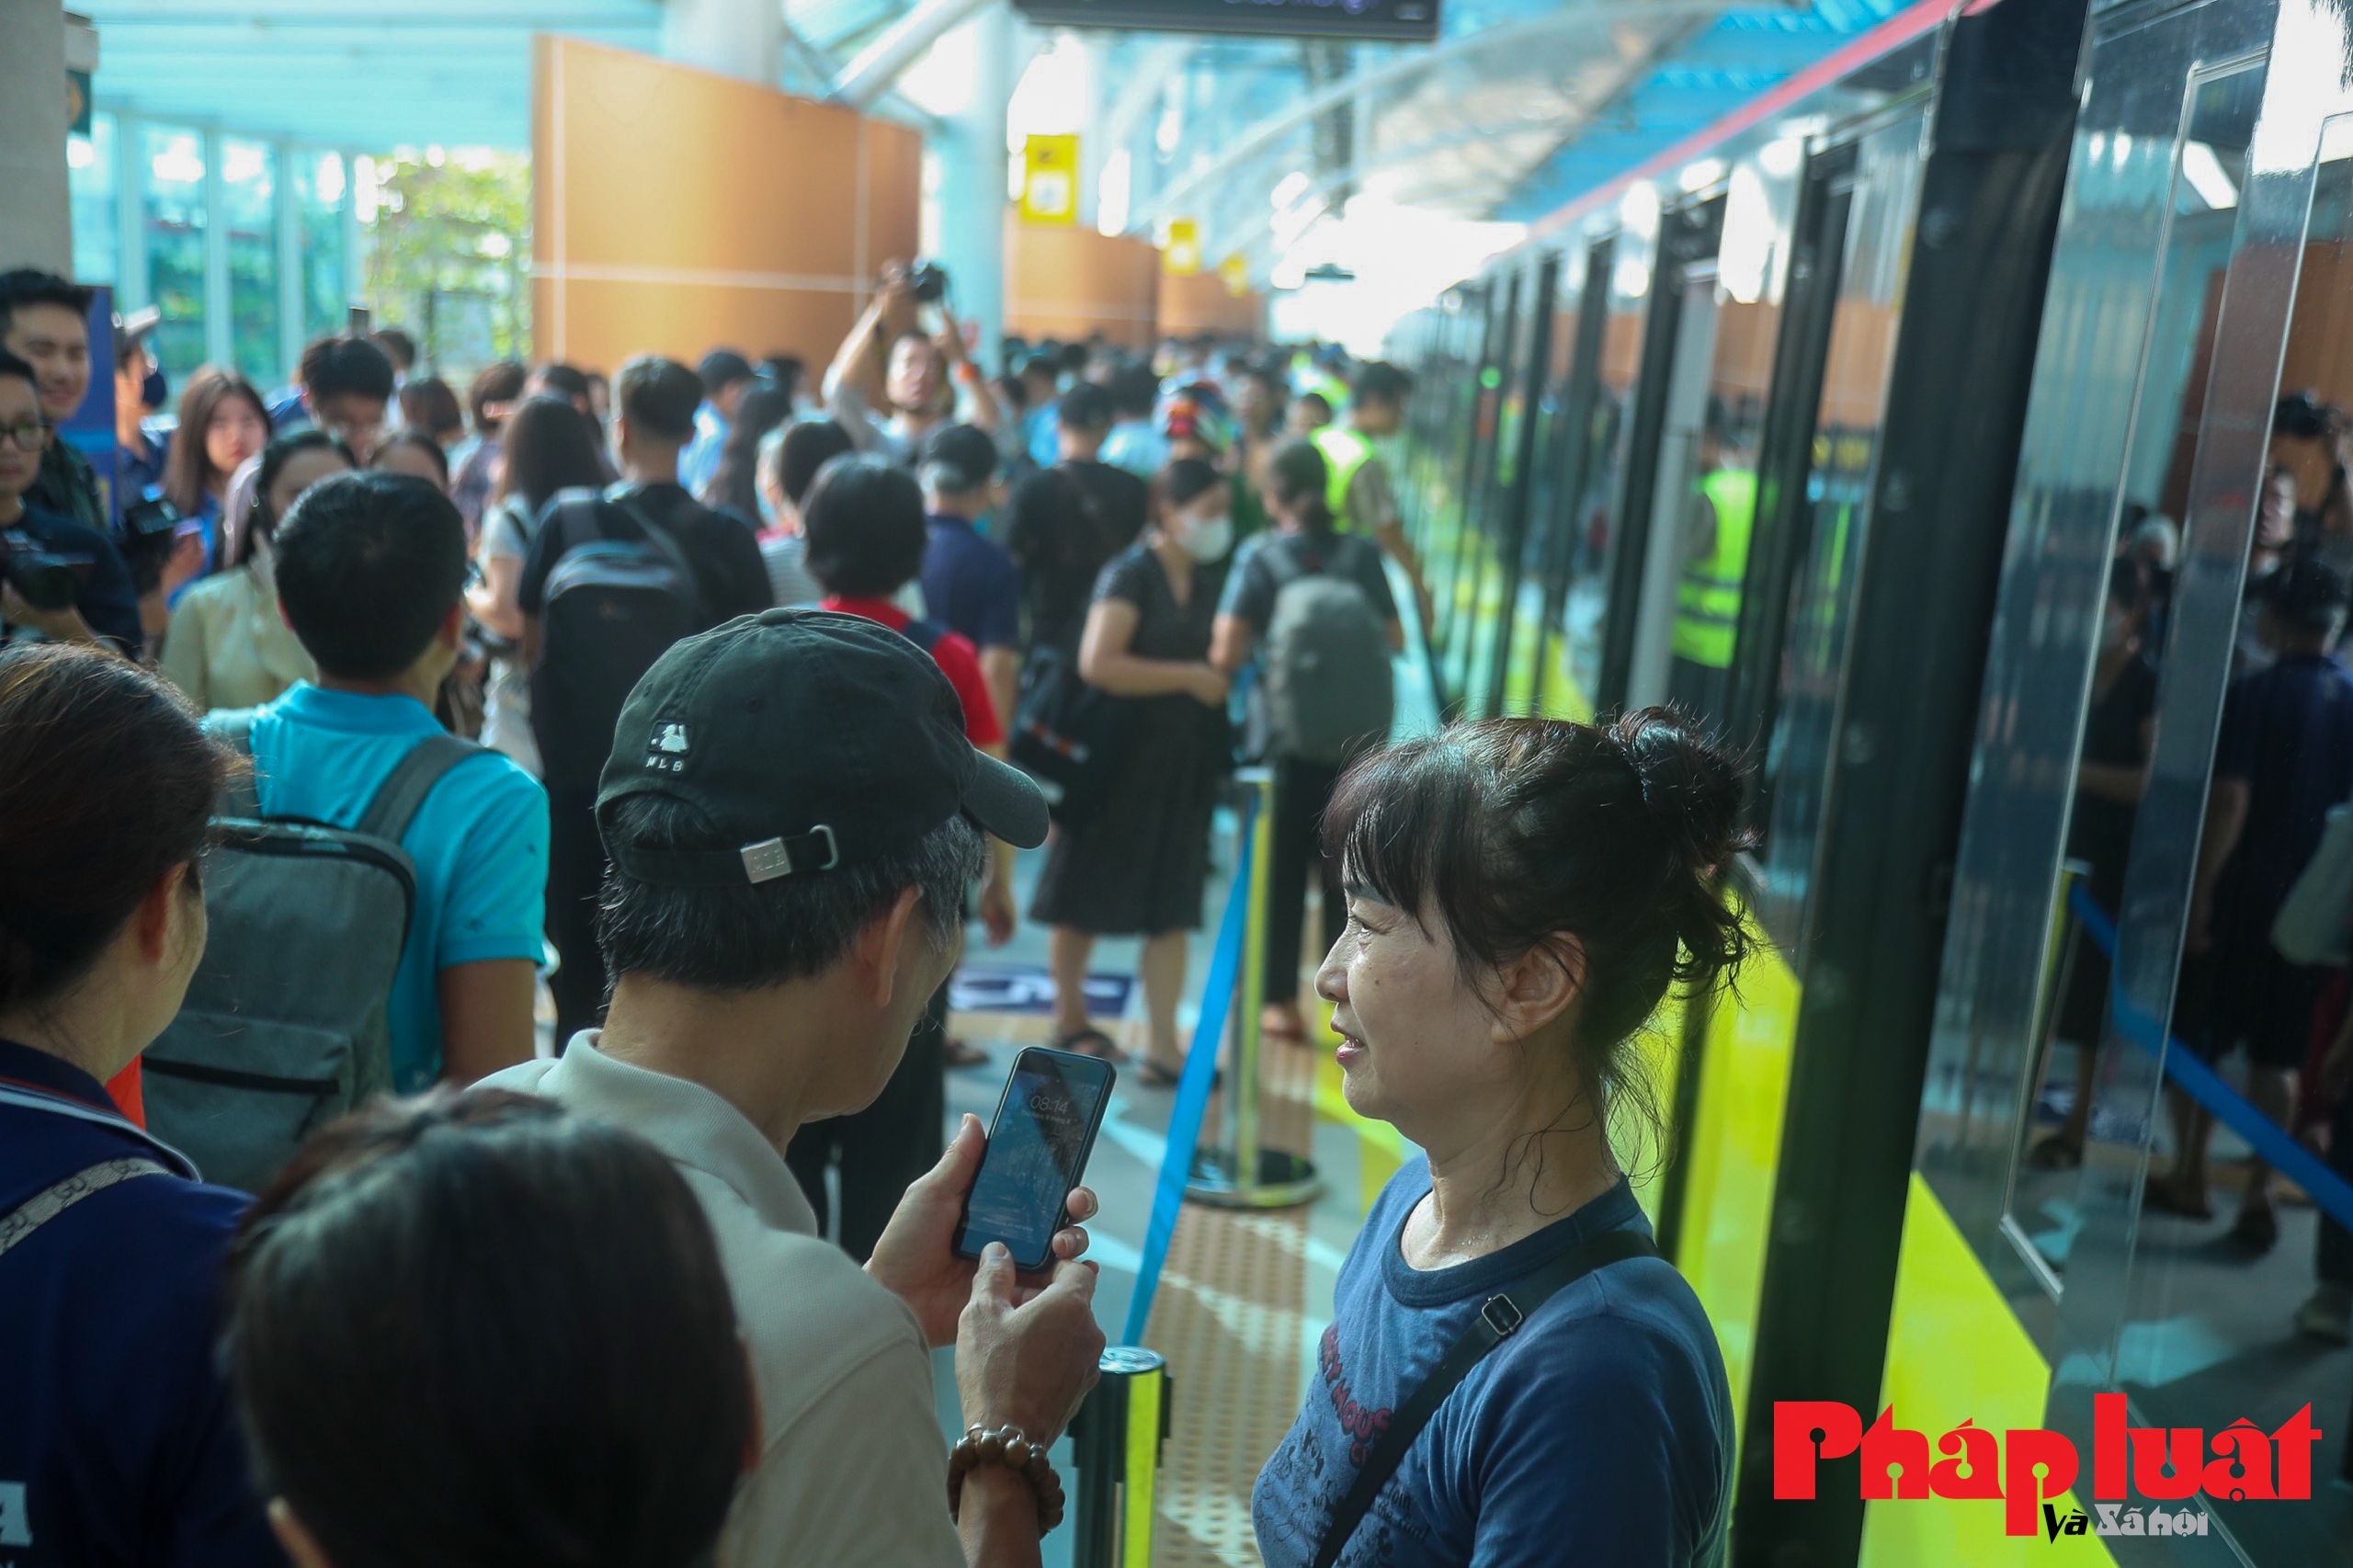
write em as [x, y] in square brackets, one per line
[1138, 864]
[2101, 834]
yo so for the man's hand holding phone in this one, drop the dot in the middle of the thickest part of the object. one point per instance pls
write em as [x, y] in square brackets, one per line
[1026, 1357]
[916, 1253]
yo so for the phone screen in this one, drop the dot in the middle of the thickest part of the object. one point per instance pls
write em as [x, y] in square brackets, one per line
[1045, 1127]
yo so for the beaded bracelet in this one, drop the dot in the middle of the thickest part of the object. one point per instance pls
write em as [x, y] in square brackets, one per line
[1007, 1445]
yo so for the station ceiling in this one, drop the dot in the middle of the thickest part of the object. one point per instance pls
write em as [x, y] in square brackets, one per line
[1520, 106]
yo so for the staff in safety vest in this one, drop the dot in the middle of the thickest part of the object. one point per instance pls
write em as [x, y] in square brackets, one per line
[1358, 491]
[1717, 529]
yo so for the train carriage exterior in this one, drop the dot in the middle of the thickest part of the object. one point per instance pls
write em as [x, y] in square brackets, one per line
[1829, 427]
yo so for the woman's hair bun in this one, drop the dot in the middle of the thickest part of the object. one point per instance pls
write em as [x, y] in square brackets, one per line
[1691, 791]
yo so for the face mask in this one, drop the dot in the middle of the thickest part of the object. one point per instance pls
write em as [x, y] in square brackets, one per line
[156, 389]
[1207, 540]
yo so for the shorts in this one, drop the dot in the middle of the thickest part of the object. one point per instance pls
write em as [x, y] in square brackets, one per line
[2248, 994]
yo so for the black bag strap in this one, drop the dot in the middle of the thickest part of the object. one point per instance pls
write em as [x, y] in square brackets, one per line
[404, 788]
[1497, 1321]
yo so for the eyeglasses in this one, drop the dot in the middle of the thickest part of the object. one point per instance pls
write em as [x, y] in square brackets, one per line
[30, 435]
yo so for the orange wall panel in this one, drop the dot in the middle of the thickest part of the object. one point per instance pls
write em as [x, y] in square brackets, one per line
[674, 210]
[1199, 302]
[1069, 282]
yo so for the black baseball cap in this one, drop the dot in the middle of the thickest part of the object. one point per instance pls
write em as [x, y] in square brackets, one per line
[812, 739]
[958, 458]
[723, 367]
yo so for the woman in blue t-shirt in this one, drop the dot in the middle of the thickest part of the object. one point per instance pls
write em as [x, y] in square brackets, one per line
[1521, 893]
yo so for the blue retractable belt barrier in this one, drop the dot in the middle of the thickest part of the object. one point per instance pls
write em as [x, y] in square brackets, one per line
[1193, 1087]
[2199, 1082]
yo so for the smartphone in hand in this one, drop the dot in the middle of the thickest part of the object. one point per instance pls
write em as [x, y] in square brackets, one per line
[1039, 1142]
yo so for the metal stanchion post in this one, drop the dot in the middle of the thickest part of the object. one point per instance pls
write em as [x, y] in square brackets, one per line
[1115, 1440]
[1247, 1177]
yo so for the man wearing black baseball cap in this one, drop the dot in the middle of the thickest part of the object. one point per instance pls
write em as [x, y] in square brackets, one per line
[793, 815]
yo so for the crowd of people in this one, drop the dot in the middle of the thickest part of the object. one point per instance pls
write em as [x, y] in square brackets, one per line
[721, 705]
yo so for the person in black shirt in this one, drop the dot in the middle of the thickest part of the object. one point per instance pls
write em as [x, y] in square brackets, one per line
[1067, 522]
[653, 424]
[2118, 731]
[105, 606]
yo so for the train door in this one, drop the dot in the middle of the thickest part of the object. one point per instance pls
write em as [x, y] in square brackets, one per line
[1532, 653]
[1454, 587]
[1503, 543]
[2129, 1077]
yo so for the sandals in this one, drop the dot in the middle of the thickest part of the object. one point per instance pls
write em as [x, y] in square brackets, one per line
[1091, 1041]
[2056, 1152]
[964, 1054]
[1156, 1076]
[1275, 1026]
[2160, 1195]
[2256, 1232]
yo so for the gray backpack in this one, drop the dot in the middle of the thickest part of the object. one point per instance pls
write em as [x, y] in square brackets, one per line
[1329, 688]
[284, 1027]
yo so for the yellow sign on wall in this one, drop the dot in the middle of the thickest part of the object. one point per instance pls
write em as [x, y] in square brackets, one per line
[1181, 257]
[1236, 270]
[1049, 180]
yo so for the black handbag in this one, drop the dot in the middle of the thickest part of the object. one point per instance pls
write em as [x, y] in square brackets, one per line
[1066, 734]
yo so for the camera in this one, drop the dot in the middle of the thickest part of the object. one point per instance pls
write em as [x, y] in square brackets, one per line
[927, 280]
[45, 579]
[150, 527]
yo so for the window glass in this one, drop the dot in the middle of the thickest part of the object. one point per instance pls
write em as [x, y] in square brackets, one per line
[319, 195]
[90, 177]
[249, 208]
[172, 210]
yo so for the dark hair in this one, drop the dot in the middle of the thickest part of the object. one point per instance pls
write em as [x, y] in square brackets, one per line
[723, 367]
[412, 436]
[501, 382]
[1073, 357]
[1042, 363]
[1377, 380]
[1181, 482]
[547, 446]
[735, 483]
[786, 371]
[259, 522]
[658, 397]
[472, 1329]
[429, 406]
[745, 939]
[2301, 416]
[2132, 582]
[188, 473]
[809, 445]
[107, 782]
[1084, 407]
[25, 286]
[369, 565]
[14, 368]
[564, 381]
[1511, 831]
[1297, 476]
[397, 345]
[2308, 597]
[864, 522]
[1133, 392]
[333, 366]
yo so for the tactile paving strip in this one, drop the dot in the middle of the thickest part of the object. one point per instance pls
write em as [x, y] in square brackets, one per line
[1228, 1319]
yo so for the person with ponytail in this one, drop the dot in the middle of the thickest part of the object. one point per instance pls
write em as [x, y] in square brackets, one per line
[1137, 864]
[116, 1435]
[1306, 544]
[228, 646]
[1522, 893]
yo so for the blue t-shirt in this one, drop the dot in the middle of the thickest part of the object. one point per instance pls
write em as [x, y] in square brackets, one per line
[1600, 1433]
[971, 586]
[2287, 734]
[480, 842]
[119, 1442]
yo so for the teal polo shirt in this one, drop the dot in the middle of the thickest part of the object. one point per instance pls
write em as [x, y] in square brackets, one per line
[480, 842]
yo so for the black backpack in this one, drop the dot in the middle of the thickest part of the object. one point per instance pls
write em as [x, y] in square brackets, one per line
[610, 608]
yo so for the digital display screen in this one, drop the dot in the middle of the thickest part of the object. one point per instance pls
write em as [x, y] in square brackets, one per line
[1037, 1150]
[1408, 21]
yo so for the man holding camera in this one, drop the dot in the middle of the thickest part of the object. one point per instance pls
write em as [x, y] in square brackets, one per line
[889, 362]
[60, 580]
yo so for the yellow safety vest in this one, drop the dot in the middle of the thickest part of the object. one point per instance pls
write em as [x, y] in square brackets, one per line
[1343, 451]
[1707, 601]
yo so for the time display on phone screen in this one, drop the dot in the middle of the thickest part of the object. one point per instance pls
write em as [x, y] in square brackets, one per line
[1045, 1127]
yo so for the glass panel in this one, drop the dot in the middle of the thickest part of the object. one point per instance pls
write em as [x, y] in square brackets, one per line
[1457, 607]
[1586, 611]
[172, 208]
[1492, 566]
[1838, 489]
[2147, 178]
[319, 195]
[249, 210]
[1716, 488]
[90, 176]
[1530, 685]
